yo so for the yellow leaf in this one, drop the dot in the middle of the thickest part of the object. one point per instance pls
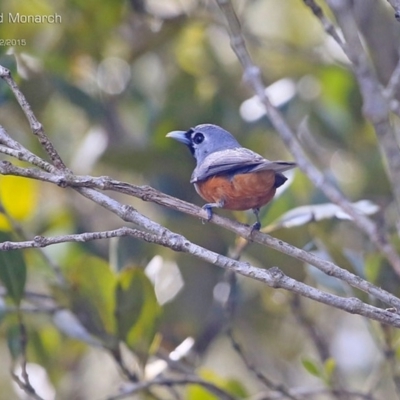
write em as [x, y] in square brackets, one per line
[19, 197]
[4, 223]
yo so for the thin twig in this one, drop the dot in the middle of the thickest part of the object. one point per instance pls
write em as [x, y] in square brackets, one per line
[129, 214]
[318, 339]
[84, 185]
[330, 29]
[25, 387]
[265, 380]
[19, 231]
[117, 356]
[327, 25]
[394, 82]
[396, 7]
[252, 75]
[23, 382]
[272, 277]
[35, 125]
[307, 394]
[30, 310]
[375, 105]
[390, 356]
[168, 382]
[15, 149]
[163, 236]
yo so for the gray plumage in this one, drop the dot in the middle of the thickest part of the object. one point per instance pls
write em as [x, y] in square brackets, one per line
[217, 152]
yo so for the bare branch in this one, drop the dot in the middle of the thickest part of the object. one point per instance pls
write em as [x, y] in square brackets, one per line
[27, 388]
[280, 280]
[308, 394]
[160, 235]
[23, 381]
[389, 354]
[272, 277]
[30, 310]
[41, 241]
[252, 75]
[297, 393]
[15, 149]
[394, 83]
[265, 380]
[396, 7]
[318, 338]
[129, 214]
[329, 28]
[34, 124]
[146, 193]
[327, 25]
[312, 332]
[375, 106]
[168, 382]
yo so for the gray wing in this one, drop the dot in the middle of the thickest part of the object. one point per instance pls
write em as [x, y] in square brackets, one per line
[233, 161]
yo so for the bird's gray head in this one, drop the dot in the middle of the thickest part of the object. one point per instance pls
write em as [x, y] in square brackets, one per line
[205, 139]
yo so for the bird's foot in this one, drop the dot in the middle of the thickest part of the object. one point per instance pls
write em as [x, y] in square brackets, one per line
[255, 227]
[208, 208]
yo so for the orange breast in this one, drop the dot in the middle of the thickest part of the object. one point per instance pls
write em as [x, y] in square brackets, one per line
[241, 192]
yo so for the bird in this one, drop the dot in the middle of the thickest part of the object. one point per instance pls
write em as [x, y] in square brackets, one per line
[228, 175]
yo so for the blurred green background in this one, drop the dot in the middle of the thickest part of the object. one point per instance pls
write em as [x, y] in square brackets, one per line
[108, 83]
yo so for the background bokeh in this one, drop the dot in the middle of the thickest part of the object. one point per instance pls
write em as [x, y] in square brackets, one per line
[108, 83]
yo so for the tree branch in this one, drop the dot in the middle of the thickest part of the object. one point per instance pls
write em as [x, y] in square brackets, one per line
[394, 83]
[35, 125]
[85, 185]
[308, 394]
[129, 214]
[273, 277]
[265, 380]
[252, 75]
[187, 380]
[26, 387]
[160, 235]
[375, 105]
[327, 25]
[396, 7]
[14, 149]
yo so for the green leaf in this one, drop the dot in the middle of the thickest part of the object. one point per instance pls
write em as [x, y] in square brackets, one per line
[137, 311]
[197, 392]
[373, 267]
[329, 370]
[3, 312]
[232, 386]
[312, 367]
[236, 388]
[90, 296]
[12, 271]
[14, 341]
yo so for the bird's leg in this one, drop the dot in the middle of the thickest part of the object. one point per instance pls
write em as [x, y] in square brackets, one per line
[257, 225]
[209, 206]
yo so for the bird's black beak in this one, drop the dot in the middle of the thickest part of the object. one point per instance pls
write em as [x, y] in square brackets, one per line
[180, 136]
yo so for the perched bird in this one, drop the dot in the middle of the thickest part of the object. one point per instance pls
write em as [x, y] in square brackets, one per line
[228, 175]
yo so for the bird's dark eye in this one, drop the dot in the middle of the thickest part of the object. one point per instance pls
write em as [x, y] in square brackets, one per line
[198, 138]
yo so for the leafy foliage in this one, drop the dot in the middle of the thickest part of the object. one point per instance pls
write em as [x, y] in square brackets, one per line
[137, 311]
[12, 271]
[108, 83]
